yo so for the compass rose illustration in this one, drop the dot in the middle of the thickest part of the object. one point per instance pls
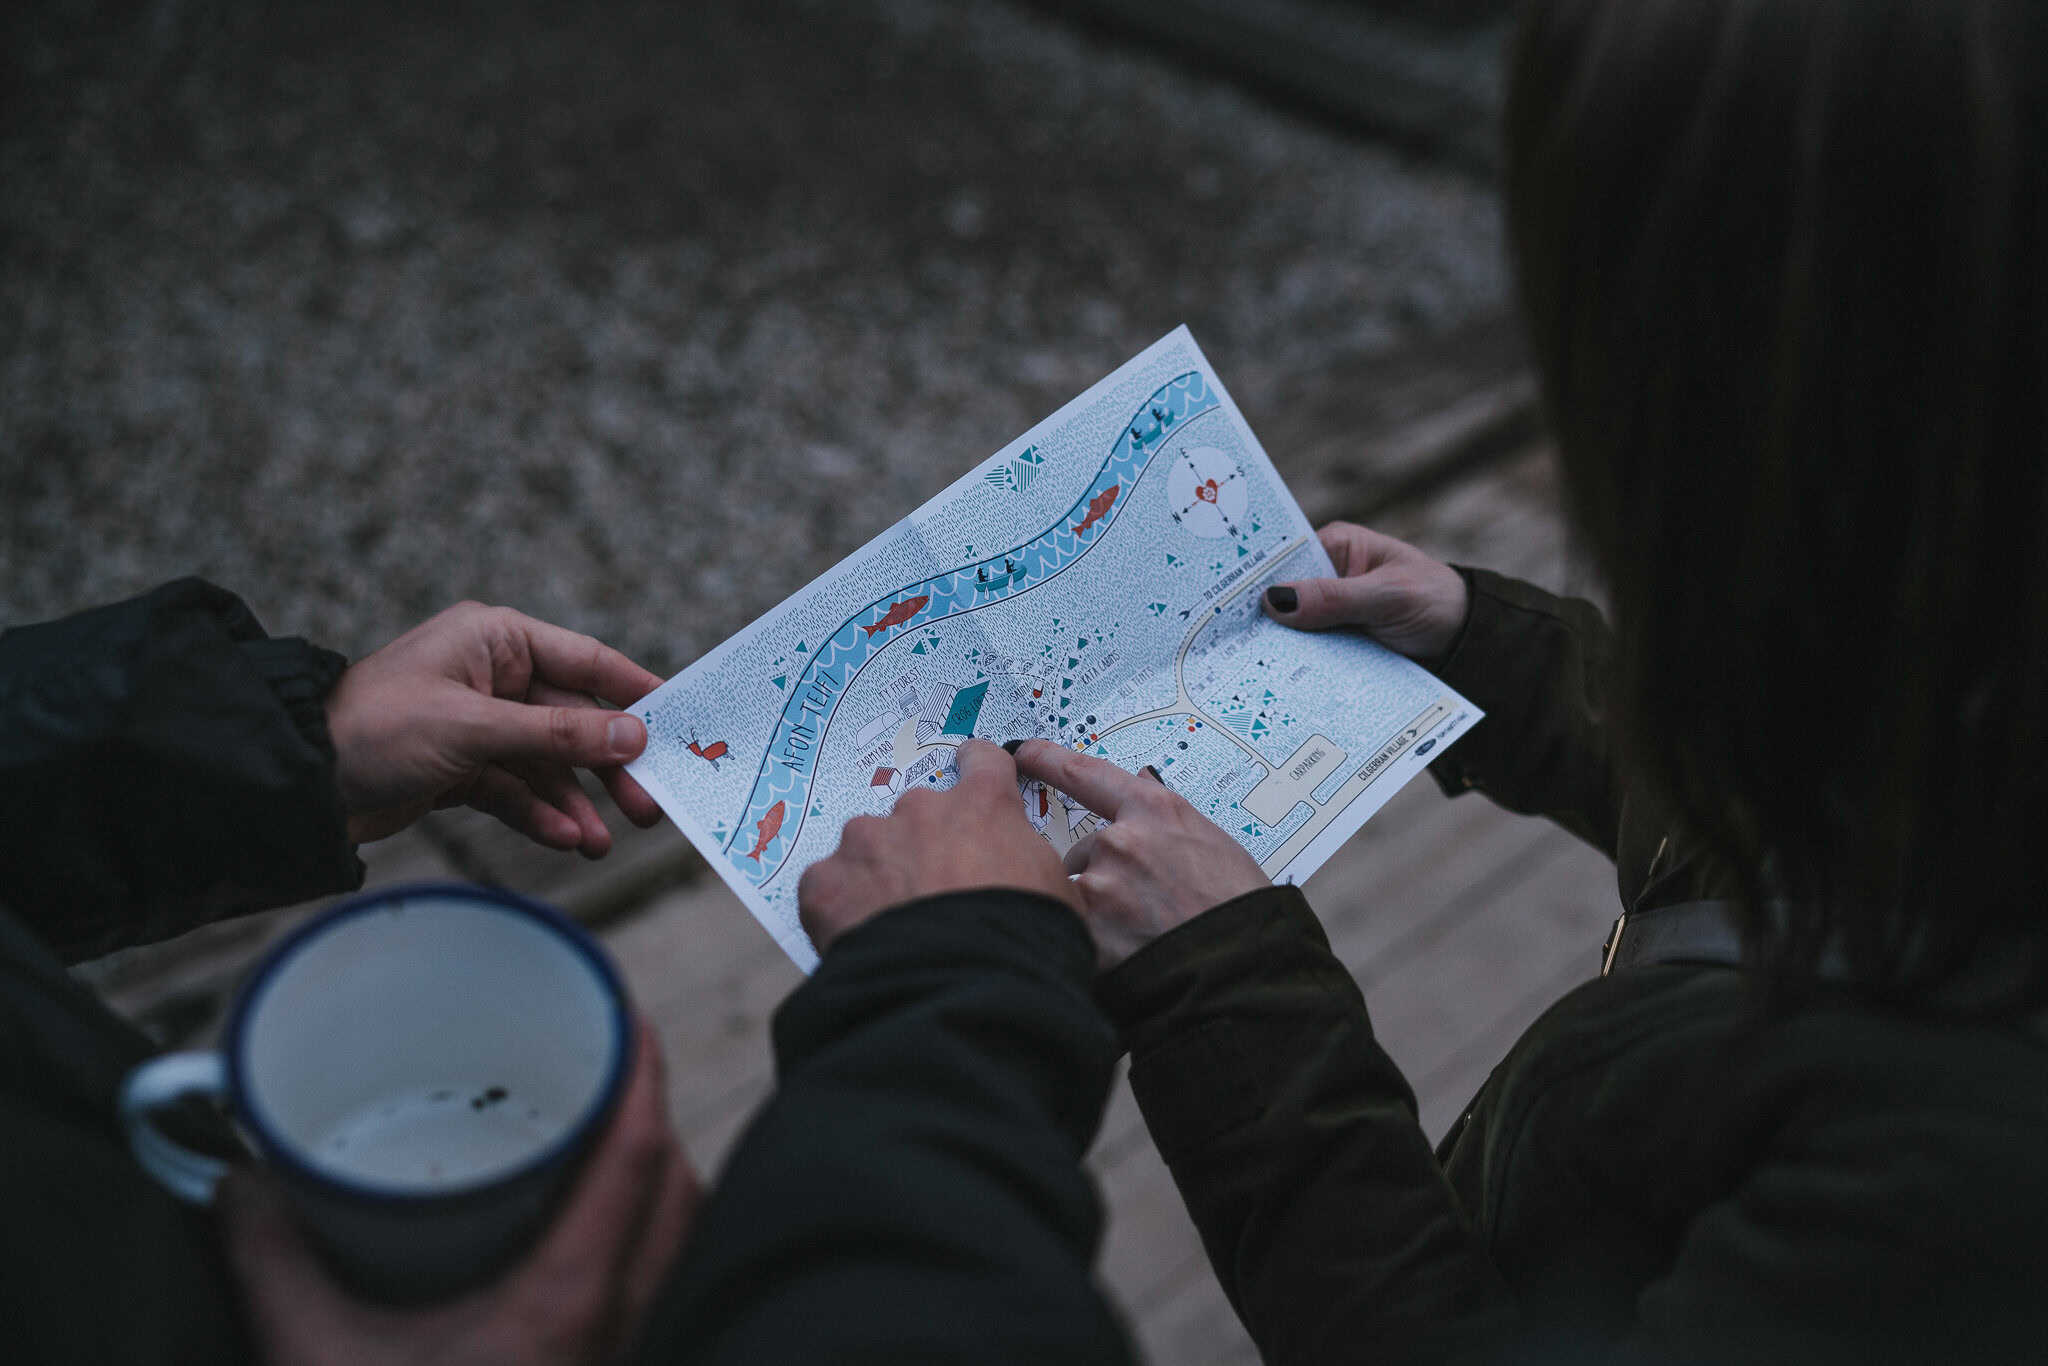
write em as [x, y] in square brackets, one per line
[1205, 492]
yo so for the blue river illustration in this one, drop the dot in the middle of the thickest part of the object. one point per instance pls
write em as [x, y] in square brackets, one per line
[782, 788]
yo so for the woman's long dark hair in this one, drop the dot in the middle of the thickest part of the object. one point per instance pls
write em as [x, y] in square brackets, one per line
[1782, 264]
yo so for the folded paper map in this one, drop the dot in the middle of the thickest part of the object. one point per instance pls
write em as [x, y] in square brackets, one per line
[1095, 583]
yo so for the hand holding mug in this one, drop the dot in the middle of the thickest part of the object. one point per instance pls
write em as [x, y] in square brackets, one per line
[421, 1071]
[581, 1295]
[1405, 598]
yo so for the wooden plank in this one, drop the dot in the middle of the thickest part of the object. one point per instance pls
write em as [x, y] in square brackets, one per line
[1194, 1326]
[1378, 891]
[1149, 1246]
[1443, 1091]
[708, 978]
[1510, 519]
[177, 992]
[1123, 1127]
[709, 1136]
[1434, 88]
[1369, 433]
[1473, 987]
[674, 946]
[642, 863]
[1485, 892]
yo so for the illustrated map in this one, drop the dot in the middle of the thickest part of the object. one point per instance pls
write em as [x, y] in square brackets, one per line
[1096, 583]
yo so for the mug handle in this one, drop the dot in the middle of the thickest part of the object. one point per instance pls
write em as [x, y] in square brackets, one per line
[188, 1175]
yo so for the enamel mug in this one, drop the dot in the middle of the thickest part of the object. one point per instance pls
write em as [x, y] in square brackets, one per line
[421, 1068]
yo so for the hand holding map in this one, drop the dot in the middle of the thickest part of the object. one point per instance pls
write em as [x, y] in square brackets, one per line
[1094, 584]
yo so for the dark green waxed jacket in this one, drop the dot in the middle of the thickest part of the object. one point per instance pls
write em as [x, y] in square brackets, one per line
[1661, 1169]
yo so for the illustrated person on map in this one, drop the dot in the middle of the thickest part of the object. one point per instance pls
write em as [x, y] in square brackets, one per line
[1784, 283]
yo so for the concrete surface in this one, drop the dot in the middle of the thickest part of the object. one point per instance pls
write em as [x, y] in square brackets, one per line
[635, 316]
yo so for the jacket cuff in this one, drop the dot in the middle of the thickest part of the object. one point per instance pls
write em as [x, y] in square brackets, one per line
[1149, 993]
[1495, 612]
[1000, 971]
[1491, 651]
[1207, 1007]
[986, 924]
[1477, 646]
[300, 675]
[1022, 933]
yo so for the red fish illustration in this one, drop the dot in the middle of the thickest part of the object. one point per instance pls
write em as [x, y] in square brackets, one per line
[1098, 505]
[766, 829]
[712, 752]
[900, 613]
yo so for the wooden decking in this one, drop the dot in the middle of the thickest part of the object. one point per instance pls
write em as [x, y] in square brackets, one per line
[1460, 922]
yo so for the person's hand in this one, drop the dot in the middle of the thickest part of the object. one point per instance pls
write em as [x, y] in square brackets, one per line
[581, 1295]
[482, 706]
[1407, 600]
[1157, 864]
[975, 835]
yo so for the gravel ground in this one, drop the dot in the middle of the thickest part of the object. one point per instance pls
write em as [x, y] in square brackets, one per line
[632, 316]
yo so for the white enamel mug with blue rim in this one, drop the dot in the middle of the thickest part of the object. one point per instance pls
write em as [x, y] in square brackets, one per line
[421, 1067]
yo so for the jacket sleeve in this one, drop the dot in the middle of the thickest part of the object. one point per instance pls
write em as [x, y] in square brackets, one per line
[1294, 1140]
[1538, 666]
[163, 763]
[914, 1192]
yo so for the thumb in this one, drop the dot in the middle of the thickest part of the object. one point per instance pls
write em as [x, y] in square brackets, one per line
[1317, 604]
[582, 737]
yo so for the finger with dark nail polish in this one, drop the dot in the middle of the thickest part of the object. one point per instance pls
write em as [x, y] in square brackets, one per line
[1153, 774]
[1282, 599]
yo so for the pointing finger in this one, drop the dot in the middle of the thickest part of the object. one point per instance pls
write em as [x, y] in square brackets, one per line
[986, 765]
[1097, 784]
